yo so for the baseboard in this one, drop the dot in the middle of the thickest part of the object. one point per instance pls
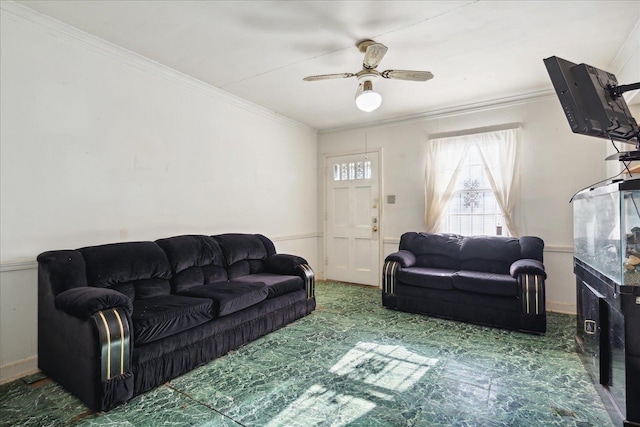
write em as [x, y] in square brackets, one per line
[561, 307]
[16, 370]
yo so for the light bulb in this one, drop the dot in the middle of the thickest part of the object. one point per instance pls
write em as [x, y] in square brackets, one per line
[368, 101]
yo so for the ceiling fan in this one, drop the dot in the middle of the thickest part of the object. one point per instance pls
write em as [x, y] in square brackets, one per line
[366, 98]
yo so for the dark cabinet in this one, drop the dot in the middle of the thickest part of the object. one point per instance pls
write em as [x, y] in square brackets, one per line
[607, 269]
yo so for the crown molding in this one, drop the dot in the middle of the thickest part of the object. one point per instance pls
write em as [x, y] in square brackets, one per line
[627, 50]
[475, 107]
[23, 14]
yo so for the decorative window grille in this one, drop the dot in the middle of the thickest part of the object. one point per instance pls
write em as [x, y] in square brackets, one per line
[360, 170]
[473, 209]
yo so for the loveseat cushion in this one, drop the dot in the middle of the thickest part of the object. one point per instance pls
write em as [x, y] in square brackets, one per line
[491, 254]
[196, 260]
[485, 283]
[433, 250]
[229, 297]
[159, 317]
[424, 277]
[276, 284]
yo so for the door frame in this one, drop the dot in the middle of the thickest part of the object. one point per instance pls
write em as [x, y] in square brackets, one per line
[324, 213]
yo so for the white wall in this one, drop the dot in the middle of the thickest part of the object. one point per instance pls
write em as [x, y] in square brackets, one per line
[99, 145]
[555, 164]
[626, 67]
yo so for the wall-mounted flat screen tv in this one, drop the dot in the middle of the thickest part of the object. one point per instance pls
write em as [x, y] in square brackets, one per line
[592, 101]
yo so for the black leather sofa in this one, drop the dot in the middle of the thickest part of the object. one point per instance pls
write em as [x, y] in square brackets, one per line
[489, 280]
[119, 319]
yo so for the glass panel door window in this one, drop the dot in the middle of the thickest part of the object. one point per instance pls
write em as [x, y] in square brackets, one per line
[360, 170]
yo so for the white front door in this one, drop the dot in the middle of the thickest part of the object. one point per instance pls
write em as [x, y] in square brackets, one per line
[352, 219]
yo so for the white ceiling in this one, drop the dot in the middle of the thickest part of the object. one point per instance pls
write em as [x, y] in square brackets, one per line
[479, 51]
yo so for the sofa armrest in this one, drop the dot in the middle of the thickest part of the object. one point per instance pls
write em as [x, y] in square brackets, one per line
[284, 264]
[85, 343]
[527, 266]
[85, 301]
[295, 266]
[403, 257]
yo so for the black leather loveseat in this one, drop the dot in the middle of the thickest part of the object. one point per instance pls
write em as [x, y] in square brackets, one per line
[490, 280]
[119, 319]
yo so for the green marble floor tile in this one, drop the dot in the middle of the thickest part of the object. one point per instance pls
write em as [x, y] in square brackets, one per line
[162, 406]
[355, 363]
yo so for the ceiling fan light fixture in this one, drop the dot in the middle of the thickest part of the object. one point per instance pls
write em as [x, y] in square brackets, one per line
[369, 100]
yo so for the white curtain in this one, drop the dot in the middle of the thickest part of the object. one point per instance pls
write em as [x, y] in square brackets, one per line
[500, 157]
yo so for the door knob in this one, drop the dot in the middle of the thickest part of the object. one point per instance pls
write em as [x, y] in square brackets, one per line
[374, 228]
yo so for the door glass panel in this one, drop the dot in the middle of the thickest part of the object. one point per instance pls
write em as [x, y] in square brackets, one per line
[359, 170]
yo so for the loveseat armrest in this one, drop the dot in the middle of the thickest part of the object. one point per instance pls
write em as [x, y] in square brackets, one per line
[403, 257]
[295, 266]
[531, 277]
[527, 266]
[83, 302]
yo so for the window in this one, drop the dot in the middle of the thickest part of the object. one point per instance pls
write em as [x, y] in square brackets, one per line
[473, 209]
[472, 183]
[352, 170]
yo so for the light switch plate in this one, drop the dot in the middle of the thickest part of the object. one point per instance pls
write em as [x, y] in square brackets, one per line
[391, 199]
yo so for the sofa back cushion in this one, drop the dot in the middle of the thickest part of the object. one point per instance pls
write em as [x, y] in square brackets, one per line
[137, 269]
[196, 260]
[433, 250]
[63, 269]
[243, 253]
[491, 254]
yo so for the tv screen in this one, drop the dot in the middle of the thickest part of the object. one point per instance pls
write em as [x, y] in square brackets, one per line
[589, 102]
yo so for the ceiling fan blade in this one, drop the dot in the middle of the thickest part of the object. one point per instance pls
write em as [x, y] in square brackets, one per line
[373, 55]
[416, 76]
[328, 77]
[359, 90]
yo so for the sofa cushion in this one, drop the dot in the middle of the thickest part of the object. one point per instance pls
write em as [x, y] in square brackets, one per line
[196, 260]
[137, 269]
[491, 254]
[277, 284]
[423, 277]
[229, 297]
[158, 317]
[238, 247]
[486, 283]
[196, 276]
[243, 253]
[191, 250]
